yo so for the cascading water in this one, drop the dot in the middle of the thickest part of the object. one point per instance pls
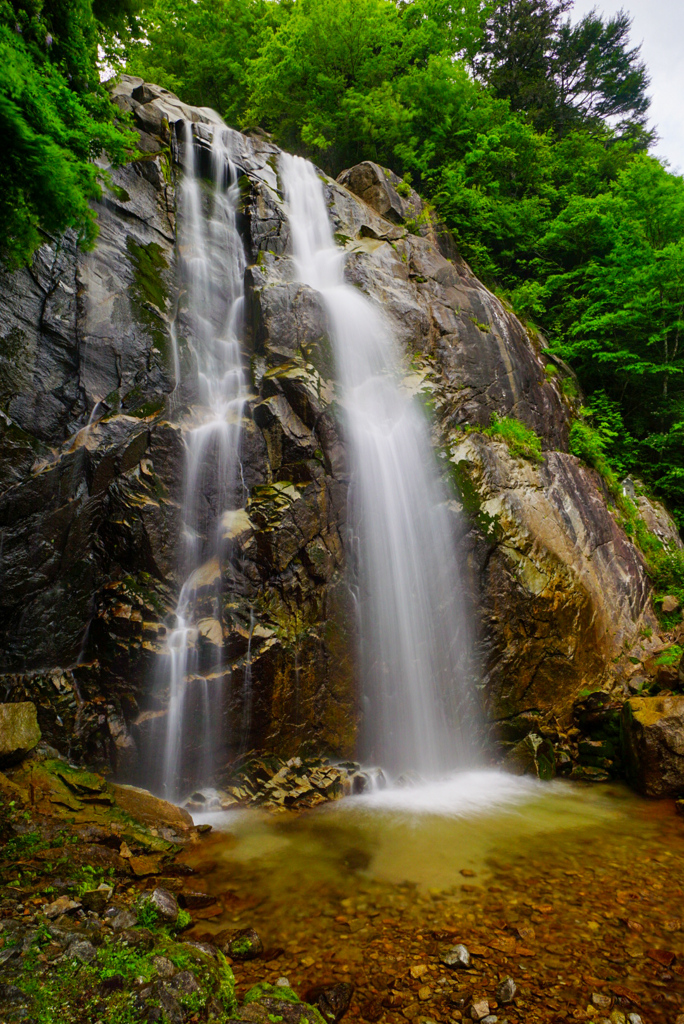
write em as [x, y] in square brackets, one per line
[212, 266]
[414, 637]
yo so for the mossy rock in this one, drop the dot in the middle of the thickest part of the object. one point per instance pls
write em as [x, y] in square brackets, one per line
[119, 981]
[265, 1003]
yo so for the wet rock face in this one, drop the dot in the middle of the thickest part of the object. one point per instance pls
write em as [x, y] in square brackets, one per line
[653, 730]
[92, 458]
[482, 357]
[562, 589]
[19, 731]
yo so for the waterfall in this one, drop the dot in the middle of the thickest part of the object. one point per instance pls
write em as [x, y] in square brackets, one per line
[212, 265]
[414, 637]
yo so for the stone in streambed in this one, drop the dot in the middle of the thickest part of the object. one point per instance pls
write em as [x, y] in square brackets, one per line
[479, 1009]
[19, 731]
[457, 956]
[505, 991]
[191, 900]
[332, 1000]
[245, 945]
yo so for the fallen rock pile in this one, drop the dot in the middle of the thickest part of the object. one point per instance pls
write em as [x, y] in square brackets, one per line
[275, 784]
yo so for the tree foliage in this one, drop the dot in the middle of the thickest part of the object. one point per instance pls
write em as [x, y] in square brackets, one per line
[527, 131]
[54, 119]
[565, 75]
[202, 49]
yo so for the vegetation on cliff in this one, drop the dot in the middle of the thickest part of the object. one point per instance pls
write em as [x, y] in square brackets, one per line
[526, 130]
[529, 135]
[55, 117]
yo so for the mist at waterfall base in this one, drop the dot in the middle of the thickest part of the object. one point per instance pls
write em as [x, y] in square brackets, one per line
[188, 740]
[414, 637]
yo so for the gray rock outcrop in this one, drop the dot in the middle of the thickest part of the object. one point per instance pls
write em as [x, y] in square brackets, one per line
[91, 469]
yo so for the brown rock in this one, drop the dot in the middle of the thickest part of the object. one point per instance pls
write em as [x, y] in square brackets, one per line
[377, 186]
[334, 1000]
[19, 731]
[653, 729]
[146, 865]
[479, 1008]
[670, 604]
[62, 905]
[149, 809]
[195, 900]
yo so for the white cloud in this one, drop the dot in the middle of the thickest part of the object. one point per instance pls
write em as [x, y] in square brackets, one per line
[659, 26]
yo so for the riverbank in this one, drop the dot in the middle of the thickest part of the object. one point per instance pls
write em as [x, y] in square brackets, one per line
[572, 891]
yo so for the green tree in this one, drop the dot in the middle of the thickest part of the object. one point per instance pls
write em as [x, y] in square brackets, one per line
[341, 79]
[618, 311]
[54, 119]
[324, 78]
[518, 51]
[201, 49]
[598, 79]
[565, 75]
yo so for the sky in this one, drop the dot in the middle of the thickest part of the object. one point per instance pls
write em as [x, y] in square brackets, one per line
[659, 26]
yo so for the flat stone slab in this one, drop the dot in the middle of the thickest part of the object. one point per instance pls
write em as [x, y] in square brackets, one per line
[149, 809]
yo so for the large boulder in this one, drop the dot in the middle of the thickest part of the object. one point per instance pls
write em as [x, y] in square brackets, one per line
[653, 731]
[19, 731]
[149, 809]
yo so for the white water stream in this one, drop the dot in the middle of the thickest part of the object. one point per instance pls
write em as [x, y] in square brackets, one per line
[212, 267]
[414, 637]
[415, 658]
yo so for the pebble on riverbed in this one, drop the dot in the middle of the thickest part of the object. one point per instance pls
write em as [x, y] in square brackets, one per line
[245, 945]
[456, 956]
[479, 1009]
[333, 1001]
[505, 991]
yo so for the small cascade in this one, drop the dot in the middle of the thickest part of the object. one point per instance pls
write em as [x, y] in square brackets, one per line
[414, 637]
[212, 267]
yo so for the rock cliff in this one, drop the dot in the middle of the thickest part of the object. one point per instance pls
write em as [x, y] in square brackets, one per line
[91, 471]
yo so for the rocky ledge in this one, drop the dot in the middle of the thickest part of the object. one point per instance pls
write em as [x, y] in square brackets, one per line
[94, 422]
[297, 784]
[99, 917]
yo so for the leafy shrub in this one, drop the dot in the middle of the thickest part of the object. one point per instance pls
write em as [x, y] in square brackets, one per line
[522, 442]
[588, 445]
[183, 920]
[147, 915]
[667, 572]
[671, 656]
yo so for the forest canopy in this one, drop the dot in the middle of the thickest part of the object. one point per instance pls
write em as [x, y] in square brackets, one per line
[526, 128]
